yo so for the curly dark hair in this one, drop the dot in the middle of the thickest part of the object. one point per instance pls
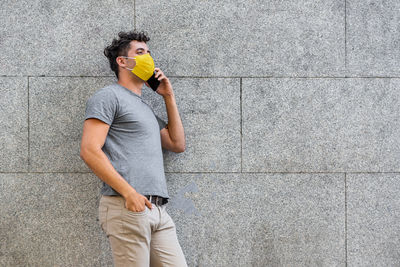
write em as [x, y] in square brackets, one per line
[121, 46]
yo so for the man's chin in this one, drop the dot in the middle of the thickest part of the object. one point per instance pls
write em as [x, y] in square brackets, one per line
[139, 79]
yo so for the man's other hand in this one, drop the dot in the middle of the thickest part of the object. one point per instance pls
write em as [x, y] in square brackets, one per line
[136, 202]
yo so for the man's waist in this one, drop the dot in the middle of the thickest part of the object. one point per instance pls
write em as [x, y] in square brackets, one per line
[158, 200]
[155, 199]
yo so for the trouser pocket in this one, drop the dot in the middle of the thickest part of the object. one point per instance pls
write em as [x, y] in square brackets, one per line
[103, 210]
[110, 214]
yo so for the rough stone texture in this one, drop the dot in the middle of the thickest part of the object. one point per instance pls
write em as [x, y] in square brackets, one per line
[246, 38]
[244, 110]
[210, 114]
[373, 228]
[373, 37]
[46, 37]
[57, 109]
[14, 124]
[51, 219]
[259, 219]
[326, 124]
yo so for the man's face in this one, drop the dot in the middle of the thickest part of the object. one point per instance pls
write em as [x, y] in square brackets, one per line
[136, 48]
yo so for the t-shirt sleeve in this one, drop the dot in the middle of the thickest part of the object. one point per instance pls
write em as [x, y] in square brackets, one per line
[161, 123]
[102, 105]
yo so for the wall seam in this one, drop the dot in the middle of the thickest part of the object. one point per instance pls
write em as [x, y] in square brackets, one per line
[134, 14]
[345, 39]
[241, 128]
[221, 77]
[345, 175]
[29, 142]
[345, 217]
[224, 172]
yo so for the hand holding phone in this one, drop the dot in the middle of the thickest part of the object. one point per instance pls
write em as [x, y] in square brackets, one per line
[153, 82]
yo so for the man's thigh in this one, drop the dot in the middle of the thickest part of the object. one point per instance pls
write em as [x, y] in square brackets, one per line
[128, 232]
[165, 249]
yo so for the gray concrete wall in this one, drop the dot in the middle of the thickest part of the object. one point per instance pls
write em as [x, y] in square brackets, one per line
[291, 114]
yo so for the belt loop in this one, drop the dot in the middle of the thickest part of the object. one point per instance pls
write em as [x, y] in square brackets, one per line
[150, 198]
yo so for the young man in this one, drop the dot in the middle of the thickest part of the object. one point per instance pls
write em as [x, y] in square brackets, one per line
[122, 144]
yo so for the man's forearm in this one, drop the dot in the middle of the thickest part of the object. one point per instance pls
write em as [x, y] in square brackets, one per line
[99, 163]
[175, 127]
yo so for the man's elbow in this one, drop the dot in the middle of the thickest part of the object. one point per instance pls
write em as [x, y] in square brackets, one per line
[83, 153]
[180, 148]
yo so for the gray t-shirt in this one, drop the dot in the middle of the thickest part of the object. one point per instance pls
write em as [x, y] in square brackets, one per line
[133, 142]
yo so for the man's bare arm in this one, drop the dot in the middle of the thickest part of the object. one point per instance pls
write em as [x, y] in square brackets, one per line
[175, 127]
[172, 138]
[93, 138]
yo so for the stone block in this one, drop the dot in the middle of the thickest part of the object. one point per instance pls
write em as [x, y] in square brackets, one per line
[60, 38]
[245, 38]
[14, 124]
[259, 219]
[210, 114]
[57, 109]
[373, 215]
[51, 219]
[373, 38]
[313, 125]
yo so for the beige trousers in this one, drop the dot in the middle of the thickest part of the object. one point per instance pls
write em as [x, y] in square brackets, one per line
[146, 238]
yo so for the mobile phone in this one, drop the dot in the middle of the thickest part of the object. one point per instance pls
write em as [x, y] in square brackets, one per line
[153, 82]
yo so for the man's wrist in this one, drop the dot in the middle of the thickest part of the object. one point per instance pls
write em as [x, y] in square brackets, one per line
[128, 192]
[171, 95]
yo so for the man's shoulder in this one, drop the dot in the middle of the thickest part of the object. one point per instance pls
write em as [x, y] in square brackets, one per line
[110, 88]
[106, 91]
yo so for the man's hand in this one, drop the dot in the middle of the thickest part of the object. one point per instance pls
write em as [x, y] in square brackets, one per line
[165, 87]
[136, 202]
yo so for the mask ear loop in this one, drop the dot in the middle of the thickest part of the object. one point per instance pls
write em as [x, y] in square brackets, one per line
[128, 57]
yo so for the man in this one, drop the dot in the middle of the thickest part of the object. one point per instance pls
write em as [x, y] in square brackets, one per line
[122, 144]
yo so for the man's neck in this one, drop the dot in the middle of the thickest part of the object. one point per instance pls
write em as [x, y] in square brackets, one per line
[131, 82]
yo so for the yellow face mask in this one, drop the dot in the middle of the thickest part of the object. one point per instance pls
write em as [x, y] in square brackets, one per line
[144, 68]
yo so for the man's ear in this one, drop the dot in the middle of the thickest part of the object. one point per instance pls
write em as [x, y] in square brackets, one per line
[120, 61]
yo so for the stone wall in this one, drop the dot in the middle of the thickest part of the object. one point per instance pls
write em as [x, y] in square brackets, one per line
[291, 116]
